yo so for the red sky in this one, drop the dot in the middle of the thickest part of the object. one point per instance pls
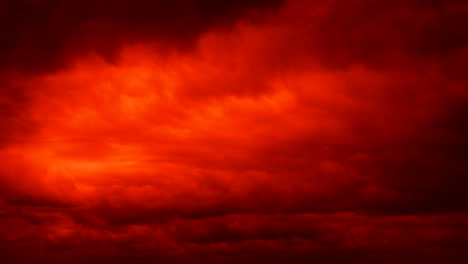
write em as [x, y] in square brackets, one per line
[203, 131]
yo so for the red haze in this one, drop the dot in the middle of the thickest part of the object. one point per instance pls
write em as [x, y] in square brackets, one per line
[233, 132]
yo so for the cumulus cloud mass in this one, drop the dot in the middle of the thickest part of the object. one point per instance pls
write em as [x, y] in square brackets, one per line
[249, 131]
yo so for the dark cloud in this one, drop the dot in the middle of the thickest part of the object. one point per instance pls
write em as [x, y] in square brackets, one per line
[45, 35]
[336, 238]
[15, 117]
[395, 34]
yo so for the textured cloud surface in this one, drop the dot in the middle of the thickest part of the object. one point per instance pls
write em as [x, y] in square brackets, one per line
[233, 131]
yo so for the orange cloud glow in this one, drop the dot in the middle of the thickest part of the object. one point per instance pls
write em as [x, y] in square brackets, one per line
[267, 131]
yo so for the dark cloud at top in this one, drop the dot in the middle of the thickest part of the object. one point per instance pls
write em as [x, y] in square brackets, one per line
[381, 34]
[41, 35]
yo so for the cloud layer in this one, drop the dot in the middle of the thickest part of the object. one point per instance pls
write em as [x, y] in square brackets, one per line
[247, 131]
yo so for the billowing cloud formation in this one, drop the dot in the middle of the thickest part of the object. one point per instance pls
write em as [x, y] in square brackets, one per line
[251, 131]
